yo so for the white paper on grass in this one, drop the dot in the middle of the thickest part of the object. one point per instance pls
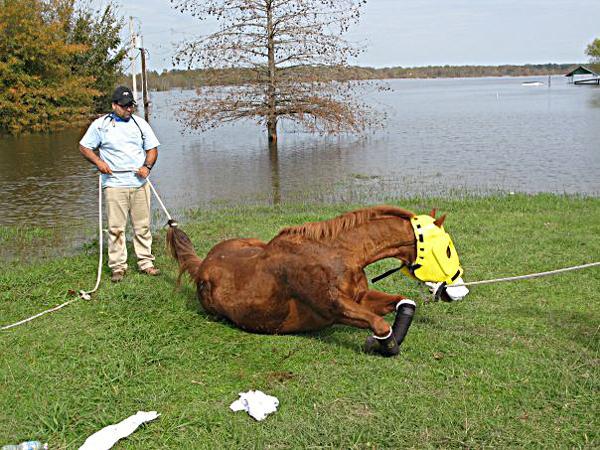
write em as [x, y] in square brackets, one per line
[108, 436]
[256, 403]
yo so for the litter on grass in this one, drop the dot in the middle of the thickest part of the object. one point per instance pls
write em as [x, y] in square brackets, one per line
[108, 436]
[256, 403]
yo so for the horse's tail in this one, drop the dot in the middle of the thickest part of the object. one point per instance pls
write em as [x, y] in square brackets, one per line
[182, 249]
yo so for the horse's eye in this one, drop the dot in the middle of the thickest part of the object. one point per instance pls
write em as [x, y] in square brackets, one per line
[448, 252]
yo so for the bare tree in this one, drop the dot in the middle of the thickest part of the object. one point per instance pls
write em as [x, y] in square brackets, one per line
[287, 44]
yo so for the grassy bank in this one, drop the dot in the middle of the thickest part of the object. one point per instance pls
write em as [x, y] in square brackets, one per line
[513, 365]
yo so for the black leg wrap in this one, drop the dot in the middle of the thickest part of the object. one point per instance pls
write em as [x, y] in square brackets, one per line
[404, 316]
[384, 347]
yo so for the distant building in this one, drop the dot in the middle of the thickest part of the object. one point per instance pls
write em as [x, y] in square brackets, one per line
[582, 70]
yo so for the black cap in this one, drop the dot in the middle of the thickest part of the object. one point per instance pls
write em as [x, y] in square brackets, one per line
[123, 96]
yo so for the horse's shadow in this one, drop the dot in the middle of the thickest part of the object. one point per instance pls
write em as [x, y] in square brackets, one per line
[350, 338]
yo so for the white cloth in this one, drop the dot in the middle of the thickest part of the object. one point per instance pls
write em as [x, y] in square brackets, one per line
[256, 403]
[457, 292]
[121, 147]
[454, 292]
[108, 436]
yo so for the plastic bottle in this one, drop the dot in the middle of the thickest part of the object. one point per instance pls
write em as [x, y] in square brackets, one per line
[27, 445]
[32, 445]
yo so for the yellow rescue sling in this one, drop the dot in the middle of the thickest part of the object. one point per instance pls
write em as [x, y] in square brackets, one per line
[437, 260]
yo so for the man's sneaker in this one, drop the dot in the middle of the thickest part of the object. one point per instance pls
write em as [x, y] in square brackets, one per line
[117, 275]
[152, 271]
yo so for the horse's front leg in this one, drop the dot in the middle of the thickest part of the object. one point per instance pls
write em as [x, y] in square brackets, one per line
[379, 302]
[356, 315]
[382, 303]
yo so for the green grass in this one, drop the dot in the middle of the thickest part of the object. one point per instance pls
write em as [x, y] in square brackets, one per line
[513, 365]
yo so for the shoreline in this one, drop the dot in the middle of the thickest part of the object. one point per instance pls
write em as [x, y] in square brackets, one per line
[39, 243]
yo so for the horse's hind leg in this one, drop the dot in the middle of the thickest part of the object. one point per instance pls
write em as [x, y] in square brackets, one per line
[357, 315]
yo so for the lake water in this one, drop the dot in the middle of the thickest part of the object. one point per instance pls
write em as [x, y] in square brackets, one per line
[441, 137]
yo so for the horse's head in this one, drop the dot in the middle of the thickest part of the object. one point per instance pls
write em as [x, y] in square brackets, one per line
[437, 261]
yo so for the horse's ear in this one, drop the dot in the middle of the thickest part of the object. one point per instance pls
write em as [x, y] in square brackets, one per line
[432, 213]
[440, 220]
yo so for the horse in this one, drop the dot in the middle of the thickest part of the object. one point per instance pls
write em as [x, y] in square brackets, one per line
[312, 276]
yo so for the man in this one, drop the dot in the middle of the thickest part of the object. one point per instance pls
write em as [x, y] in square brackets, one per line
[127, 151]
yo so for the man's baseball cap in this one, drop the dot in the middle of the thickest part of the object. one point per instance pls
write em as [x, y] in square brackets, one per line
[123, 96]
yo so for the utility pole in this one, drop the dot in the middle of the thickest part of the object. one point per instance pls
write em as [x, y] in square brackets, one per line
[144, 82]
[133, 57]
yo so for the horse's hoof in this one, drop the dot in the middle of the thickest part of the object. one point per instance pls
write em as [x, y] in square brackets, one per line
[381, 347]
[389, 348]
[371, 345]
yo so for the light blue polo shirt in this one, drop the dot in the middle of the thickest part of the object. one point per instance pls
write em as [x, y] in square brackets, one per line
[121, 146]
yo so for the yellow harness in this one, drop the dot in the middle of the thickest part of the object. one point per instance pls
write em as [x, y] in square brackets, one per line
[437, 260]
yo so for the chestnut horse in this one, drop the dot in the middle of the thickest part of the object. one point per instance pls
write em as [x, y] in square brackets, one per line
[307, 277]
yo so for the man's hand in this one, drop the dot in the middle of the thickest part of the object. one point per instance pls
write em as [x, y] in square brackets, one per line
[103, 167]
[89, 154]
[143, 172]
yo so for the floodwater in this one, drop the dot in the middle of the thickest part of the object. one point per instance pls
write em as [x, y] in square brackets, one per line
[441, 137]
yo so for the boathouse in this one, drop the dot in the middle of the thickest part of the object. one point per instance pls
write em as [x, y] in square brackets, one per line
[582, 70]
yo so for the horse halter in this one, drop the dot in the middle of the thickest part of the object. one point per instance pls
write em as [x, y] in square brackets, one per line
[437, 259]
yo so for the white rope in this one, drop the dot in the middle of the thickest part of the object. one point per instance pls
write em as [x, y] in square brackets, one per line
[86, 294]
[524, 277]
[171, 221]
[38, 315]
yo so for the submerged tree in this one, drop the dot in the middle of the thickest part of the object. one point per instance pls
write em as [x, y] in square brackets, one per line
[285, 43]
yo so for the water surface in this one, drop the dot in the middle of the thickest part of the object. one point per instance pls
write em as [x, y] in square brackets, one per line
[443, 135]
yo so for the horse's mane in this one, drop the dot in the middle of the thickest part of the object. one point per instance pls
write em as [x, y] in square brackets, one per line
[330, 229]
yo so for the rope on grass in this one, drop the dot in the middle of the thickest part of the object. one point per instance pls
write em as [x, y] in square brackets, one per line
[86, 294]
[82, 294]
[38, 315]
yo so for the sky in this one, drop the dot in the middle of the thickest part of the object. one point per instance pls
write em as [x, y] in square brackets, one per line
[418, 32]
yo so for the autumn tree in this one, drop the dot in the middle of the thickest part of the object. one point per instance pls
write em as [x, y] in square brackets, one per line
[285, 43]
[50, 68]
[593, 51]
[99, 30]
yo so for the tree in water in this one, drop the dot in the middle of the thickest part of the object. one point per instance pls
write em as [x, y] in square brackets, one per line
[288, 44]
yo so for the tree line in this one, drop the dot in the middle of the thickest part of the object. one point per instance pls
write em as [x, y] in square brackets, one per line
[194, 78]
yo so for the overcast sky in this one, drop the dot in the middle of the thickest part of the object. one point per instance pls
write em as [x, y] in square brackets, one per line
[421, 32]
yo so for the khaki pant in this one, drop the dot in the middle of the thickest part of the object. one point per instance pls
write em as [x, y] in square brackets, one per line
[135, 202]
